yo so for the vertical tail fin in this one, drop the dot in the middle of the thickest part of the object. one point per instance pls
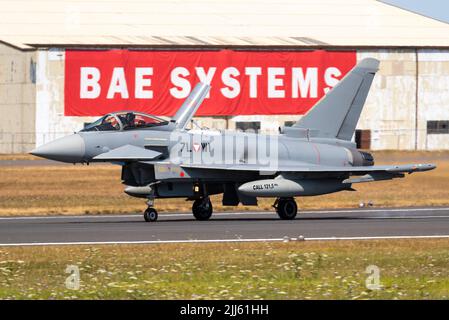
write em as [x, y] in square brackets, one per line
[337, 113]
[190, 105]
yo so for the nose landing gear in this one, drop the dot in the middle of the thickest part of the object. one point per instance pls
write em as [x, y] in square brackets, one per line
[150, 214]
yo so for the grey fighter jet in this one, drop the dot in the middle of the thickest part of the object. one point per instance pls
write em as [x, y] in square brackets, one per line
[163, 159]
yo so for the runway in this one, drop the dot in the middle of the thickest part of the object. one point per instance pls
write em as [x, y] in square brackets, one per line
[226, 227]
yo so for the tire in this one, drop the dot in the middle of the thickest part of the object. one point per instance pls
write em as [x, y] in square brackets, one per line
[287, 209]
[150, 215]
[202, 209]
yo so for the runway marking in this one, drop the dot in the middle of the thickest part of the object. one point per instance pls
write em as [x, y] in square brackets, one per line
[285, 239]
[238, 213]
[408, 217]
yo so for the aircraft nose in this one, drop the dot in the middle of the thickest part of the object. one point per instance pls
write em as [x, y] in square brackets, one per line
[66, 149]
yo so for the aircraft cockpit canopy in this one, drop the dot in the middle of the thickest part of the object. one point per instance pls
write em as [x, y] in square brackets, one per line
[125, 120]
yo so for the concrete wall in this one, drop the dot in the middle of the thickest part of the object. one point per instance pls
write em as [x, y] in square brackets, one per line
[433, 93]
[17, 100]
[389, 112]
[390, 107]
[50, 120]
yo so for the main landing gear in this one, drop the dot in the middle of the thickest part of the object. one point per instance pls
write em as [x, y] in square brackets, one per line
[202, 209]
[286, 208]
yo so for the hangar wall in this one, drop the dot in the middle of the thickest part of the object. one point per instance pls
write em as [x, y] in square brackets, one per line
[32, 98]
[17, 100]
[433, 101]
[405, 96]
[390, 107]
[50, 120]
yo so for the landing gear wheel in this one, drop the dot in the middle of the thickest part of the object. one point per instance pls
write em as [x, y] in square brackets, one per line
[150, 215]
[202, 209]
[286, 208]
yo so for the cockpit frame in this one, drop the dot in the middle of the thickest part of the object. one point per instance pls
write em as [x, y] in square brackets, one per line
[123, 121]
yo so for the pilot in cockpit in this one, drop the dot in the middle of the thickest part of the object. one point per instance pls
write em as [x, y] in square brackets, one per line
[127, 120]
[108, 123]
[130, 117]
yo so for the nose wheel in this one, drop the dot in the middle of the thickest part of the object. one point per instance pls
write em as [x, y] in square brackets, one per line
[150, 214]
[286, 208]
[202, 209]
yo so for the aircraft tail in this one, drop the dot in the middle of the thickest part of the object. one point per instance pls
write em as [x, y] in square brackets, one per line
[190, 106]
[337, 113]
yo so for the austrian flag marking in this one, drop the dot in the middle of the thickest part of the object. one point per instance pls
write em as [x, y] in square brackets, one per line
[242, 82]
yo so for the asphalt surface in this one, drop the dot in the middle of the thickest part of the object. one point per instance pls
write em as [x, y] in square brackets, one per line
[405, 222]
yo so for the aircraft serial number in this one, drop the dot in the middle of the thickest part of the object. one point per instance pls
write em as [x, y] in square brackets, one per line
[266, 186]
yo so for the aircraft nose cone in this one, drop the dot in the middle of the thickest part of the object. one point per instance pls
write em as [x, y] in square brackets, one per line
[66, 149]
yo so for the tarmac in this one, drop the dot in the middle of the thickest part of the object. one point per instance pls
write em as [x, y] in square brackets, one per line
[350, 224]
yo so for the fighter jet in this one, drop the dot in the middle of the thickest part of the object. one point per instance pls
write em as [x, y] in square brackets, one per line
[176, 158]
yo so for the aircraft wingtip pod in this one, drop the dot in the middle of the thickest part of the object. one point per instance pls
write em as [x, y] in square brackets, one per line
[412, 167]
[426, 167]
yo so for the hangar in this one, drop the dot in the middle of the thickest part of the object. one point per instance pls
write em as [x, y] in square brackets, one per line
[267, 63]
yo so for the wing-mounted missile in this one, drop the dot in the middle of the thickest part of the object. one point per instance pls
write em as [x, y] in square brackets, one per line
[188, 109]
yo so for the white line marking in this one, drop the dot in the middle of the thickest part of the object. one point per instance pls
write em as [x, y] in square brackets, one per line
[72, 217]
[381, 210]
[441, 236]
[232, 214]
[407, 217]
[217, 240]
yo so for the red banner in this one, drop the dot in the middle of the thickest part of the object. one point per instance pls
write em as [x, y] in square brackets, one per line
[243, 82]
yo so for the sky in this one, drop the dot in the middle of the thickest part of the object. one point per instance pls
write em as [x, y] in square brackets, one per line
[437, 9]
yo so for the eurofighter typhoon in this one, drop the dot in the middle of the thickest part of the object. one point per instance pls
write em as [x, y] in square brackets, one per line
[164, 159]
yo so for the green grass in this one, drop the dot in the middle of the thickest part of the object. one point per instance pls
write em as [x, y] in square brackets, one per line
[409, 269]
